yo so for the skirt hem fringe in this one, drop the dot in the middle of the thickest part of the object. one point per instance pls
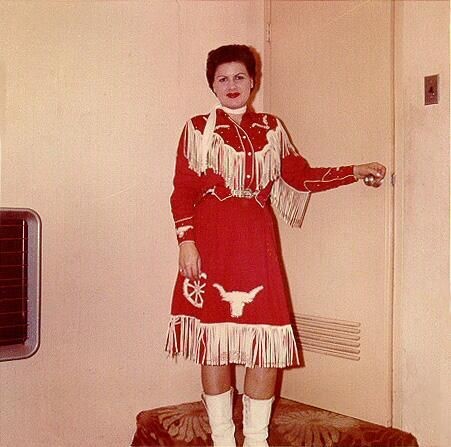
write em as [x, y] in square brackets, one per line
[263, 345]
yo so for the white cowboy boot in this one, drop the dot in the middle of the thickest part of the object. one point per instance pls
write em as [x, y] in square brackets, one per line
[256, 415]
[220, 410]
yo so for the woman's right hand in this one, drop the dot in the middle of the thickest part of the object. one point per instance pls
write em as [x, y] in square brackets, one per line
[376, 169]
[189, 260]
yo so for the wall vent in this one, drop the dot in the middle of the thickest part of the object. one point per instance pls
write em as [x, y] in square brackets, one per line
[338, 338]
[20, 282]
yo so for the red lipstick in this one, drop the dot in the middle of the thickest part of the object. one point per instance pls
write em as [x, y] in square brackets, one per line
[233, 95]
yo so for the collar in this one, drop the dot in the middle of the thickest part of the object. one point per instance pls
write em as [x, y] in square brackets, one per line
[239, 111]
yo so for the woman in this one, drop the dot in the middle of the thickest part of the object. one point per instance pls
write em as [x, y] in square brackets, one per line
[230, 304]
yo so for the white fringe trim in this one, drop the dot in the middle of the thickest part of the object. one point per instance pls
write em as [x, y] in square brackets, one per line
[252, 345]
[289, 202]
[230, 163]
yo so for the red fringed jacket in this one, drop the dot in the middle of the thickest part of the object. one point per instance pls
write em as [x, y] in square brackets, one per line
[255, 157]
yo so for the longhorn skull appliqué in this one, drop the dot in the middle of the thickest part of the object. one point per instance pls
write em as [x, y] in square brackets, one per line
[237, 299]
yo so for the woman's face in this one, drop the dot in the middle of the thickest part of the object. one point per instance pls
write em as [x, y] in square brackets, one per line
[232, 84]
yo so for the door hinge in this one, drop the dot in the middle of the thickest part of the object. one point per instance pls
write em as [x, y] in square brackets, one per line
[268, 32]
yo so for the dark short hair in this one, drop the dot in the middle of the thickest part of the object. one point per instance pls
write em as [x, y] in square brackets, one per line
[230, 53]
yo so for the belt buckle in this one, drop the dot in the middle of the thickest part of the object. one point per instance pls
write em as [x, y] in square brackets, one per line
[244, 193]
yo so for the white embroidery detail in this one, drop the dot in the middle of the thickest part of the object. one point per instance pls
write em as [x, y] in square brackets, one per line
[324, 180]
[182, 230]
[237, 299]
[263, 126]
[185, 218]
[193, 291]
[222, 126]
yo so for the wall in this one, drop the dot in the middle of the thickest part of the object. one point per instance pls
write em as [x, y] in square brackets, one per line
[422, 300]
[93, 96]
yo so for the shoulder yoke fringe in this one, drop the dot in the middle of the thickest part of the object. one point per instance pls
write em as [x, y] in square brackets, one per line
[230, 163]
[251, 345]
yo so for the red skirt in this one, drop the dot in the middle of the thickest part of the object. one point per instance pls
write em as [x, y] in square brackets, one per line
[238, 310]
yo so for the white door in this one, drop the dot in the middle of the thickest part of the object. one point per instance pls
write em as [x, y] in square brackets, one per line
[331, 83]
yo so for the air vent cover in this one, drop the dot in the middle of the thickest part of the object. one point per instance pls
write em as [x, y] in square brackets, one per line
[339, 338]
[20, 282]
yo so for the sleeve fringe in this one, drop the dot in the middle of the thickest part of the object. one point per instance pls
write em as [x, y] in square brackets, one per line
[289, 202]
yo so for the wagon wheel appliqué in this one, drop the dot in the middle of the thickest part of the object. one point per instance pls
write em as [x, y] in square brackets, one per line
[193, 291]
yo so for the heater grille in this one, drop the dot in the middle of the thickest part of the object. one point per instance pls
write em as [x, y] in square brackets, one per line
[19, 282]
[13, 280]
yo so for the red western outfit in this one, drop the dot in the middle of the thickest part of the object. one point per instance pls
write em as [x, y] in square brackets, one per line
[238, 310]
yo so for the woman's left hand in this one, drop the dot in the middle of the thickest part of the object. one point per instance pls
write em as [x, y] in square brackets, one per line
[375, 169]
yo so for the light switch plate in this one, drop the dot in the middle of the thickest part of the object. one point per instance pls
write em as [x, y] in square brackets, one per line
[431, 89]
